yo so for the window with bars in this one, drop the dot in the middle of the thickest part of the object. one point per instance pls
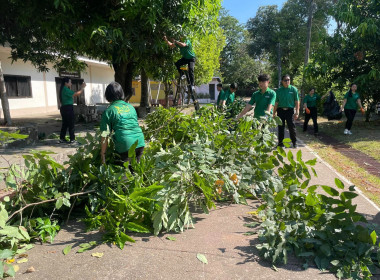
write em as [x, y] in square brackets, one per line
[18, 86]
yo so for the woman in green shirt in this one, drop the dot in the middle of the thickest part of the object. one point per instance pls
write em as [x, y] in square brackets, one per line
[121, 118]
[66, 97]
[310, 104]
[350, 104]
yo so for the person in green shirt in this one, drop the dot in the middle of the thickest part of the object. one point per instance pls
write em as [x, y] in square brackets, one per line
[350, 104]
[188, 57]
[121, 119]
[229, 95]
[310, 104]
[66, 97]
[219, 87]
[287, 107]
[263, 98]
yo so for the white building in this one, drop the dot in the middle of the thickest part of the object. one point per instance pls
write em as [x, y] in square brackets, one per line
[30, 92]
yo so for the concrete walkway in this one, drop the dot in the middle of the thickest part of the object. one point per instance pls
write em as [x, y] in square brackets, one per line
[219, 236]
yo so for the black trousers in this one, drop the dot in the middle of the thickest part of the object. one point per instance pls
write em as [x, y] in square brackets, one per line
[124, 157]
[286, 115]
[190, 65]
[350, 115]
[68, 121]
[313, 115]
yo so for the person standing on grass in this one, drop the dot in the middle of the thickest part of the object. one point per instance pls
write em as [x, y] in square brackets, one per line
[287, 107]
[229, 95]
[310, 104]
[66, 97]
[350, 105]
[264, 98]
[219, 87]
[121, 118]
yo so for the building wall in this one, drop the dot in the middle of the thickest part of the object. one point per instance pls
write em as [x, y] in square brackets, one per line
[97, 76]
[44, 93]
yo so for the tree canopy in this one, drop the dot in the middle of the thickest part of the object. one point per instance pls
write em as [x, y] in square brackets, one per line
[127, 34]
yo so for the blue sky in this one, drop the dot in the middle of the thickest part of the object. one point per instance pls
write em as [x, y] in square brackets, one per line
[246, 9]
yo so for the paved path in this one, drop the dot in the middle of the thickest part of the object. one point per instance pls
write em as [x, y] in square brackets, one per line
[219, 236]
[368, 163]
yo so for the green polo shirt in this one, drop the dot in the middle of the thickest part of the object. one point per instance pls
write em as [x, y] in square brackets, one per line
[228, 96]
[67, 96]
[352, 101]
[187, 52]
[286, 97]
[221, 93]
[262, 101]
[121, 118]
[311, 101]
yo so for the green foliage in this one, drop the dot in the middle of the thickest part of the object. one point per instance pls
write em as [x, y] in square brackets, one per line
[6, 137]
[273, 34]
[351, 54]
[236, 65]
[319, 228]
[190, 162]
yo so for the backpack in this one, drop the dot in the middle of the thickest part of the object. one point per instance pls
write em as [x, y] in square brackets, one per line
[331, 108]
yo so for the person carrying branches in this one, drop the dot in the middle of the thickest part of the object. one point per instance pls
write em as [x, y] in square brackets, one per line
[188, 57]
[263, 98]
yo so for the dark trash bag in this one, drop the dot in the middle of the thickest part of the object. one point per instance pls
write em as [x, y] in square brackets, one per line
[331, 108]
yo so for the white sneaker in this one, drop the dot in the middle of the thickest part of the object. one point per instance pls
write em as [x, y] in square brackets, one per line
[345, 131]
[349, 132]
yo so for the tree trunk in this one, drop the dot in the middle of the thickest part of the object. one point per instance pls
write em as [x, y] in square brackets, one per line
[142, 111]
[167, 93]
[279, 67]
[144, 102]
[124, 76]
[307, 50]
[308, 39]
[4, 99]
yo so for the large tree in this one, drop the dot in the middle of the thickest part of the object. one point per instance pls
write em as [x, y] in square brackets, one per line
[352, 53]
[124, 33]
[281, 34]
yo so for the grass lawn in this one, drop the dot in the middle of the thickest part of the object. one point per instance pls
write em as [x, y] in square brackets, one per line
[365, 135]
[365, 138]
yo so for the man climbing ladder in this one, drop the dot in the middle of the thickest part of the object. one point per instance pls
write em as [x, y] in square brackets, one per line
[188, 58]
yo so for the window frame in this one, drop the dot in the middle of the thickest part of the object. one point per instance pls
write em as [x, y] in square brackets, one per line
[29, 86]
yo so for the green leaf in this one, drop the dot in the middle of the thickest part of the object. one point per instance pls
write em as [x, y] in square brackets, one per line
[137, 228]
[252, 225]
[11, 271]
[348, 195]
[125, 238]
[4, 254]
[171, 238]
[330, 191]
[280, 196]
[311, 162]
[373, 237]
[335, 262]
[325, 248]
[310, 200]
[67, 249]
[339, 184]
[59, 203]
[202, 258]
